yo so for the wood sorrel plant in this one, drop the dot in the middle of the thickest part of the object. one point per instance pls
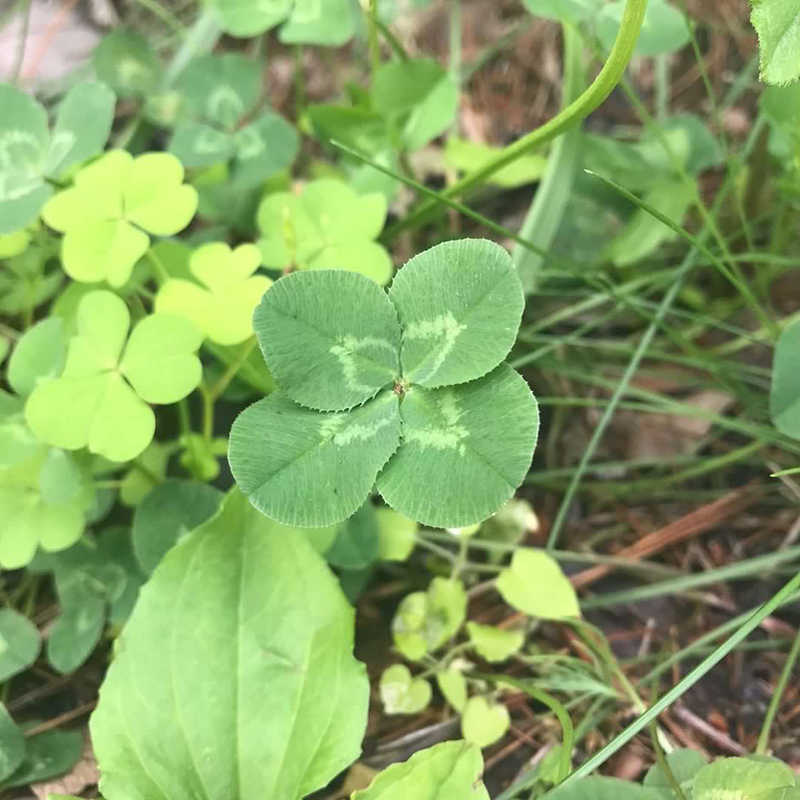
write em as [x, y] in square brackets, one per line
[405, 389]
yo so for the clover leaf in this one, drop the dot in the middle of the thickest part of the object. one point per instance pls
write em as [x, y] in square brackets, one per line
[224, 309]
[115, 203]
[43, 500]
[328, 226]
[222, 121]
[30, 154]
[101, 398]
[323, 22]
[403, 389]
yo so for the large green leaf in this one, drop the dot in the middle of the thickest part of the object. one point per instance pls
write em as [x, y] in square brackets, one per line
[330, 23]
[465, 450]
[460, 305]
[784, 400]
[447, 771]
[778, 26]
[303, 468]
[19, 643]
[262, 621]
[330, 338]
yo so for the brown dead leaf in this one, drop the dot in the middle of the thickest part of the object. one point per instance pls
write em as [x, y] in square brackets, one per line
[656, 436]
[359, 777]
[82, 775]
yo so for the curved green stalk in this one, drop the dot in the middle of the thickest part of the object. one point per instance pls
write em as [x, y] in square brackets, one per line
[600, 89]
[546, 212]
[529, 687]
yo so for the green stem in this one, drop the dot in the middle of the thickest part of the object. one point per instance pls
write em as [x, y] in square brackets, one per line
[224, 381]
[690, 680]
[557, 708]
[777, 696]
[201, 38]
[603, 85]
[549, 204]
[374, 41]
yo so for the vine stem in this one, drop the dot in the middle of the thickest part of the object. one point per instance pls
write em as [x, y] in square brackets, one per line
[609, 76]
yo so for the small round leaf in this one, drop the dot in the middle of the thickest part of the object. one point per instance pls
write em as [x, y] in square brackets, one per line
[402, 694]
[535, 585]
[19, 643]
[484, 723]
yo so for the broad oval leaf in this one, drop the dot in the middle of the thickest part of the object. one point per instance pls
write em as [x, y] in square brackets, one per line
[453, 685]
[465, 450]
[494, 644]
[535, 585]
[442, 772]
[307, 469]
[784, 400]
[225, 609]
[460, 305]
[330, 338]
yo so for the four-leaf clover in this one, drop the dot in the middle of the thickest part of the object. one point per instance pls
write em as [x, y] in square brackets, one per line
[101, 398]
[115, 203]
[223, 311]
[405, 388]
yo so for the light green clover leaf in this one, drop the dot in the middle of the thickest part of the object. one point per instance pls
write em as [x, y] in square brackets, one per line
[402, 694]
[222, 121]
[424, 621]
[43, 500]
[418, 371]
[115, 203]
[30, 153]
[328, 226]
[101, 398]
[222, 308]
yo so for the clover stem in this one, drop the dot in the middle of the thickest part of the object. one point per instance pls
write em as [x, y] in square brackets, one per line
[208, 412]
[222, 384]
